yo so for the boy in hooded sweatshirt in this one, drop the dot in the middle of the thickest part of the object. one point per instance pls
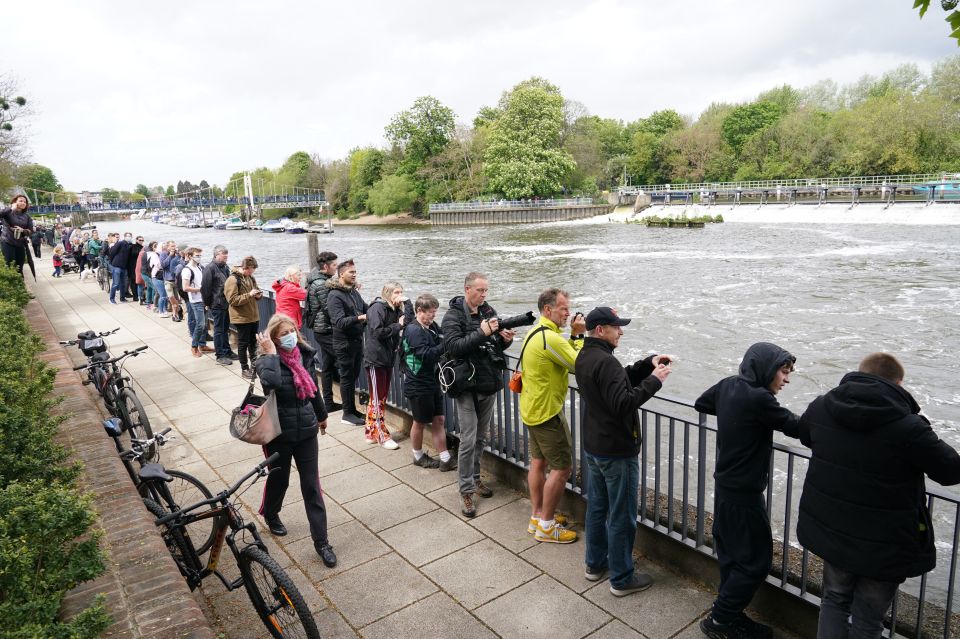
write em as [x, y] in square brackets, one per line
[747, 414]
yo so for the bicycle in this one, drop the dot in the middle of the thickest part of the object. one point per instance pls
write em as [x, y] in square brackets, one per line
[120, 398]
[104, 276]
[169, 488]
[94, 347]
[276, 599]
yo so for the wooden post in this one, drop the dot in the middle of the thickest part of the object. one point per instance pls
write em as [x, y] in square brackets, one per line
[313, 249]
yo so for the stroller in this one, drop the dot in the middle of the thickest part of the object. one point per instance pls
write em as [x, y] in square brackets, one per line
[70, 263]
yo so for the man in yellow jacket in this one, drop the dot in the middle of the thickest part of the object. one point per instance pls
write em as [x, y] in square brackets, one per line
[547, 360]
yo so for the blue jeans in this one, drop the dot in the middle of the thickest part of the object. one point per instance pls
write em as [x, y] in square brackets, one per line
[191, 321]
[611, 520]
[119, 282]
[221, 331]
[846, 595]
[198, 329]
[161, 294]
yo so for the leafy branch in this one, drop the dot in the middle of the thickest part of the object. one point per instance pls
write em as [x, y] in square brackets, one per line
[953, 17]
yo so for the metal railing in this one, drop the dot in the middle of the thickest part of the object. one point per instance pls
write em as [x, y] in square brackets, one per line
[677, 455]
[866, 180]
[493, 205]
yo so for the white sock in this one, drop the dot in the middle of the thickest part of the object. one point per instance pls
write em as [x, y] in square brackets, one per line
[445, 456]
[547, 525]
[417, 454]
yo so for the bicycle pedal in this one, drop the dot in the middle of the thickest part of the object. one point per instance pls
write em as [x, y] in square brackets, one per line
[86, 382]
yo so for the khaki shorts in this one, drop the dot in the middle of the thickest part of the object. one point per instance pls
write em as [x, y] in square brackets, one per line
[551, 441]
[170, 292]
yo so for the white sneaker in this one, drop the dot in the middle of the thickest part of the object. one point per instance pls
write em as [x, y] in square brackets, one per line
[390, 445]
[164, 314]
[369, 441]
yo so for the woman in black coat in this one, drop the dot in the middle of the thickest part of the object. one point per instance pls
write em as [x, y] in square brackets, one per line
[286, 367]
[16, 226]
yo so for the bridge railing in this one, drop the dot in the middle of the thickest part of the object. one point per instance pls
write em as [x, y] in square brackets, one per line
[175, 202]
[867, 180]
[677, 457]
[492, 205]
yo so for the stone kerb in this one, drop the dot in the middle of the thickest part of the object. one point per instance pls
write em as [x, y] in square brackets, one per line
[145, 594]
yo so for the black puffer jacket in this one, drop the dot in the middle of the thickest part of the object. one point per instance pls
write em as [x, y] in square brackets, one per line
[11, 218]
[381, 337]
[211, 285]
[345, 305]
[463, 339]
[863, 507]
[298, 417]
[747, 414]
[317, 293]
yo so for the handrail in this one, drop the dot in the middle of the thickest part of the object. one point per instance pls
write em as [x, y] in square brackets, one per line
[868, 180]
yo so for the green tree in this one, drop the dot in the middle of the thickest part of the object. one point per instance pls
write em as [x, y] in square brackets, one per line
[39, 177]
[366, 167]
[747, 120]
[170, 192]
[295, 170]
[143, 190]
[421, 132]
[392, 194]
[456, 173]
[524, 158]
[953, 17]
[109, 195]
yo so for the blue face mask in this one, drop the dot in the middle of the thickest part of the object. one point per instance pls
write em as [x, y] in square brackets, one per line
[288, 342]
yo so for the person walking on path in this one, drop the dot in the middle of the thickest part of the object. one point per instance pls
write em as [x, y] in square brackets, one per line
[243, 296]
[118, 255]
[36, 239]
[420, 349]
[747, 414]
[612, 394]
[348, 313]
[17, 225]
[317, 317]
[57, 261]
[386, 317]
[289, 294]
[547, 360]
[215, 275]
[863, 509]
[191, 280]
[286, 368]
[472, 333]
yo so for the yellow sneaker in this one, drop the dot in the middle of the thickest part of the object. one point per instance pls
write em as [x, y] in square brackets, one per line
[532, 526]
[556, 535]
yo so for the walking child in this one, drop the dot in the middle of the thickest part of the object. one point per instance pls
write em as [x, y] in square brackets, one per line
[57, 261]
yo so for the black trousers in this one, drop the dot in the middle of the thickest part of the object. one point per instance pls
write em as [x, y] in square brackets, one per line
[328, 367]
[349, 357]
[132, 281]
[306, 455]
[36, 249]
[247, 342]
[14, 255]
[744, 544]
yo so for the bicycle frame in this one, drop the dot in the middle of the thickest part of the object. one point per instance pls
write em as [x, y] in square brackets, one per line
[227, 524]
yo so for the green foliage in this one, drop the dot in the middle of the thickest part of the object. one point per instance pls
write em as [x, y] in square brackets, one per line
[366, 167]
[46, 543]
[143, 190]
[524, 158]
[37, 176]
[747, 120]
[295, 170]
[681, 221]
[421, 132]
[953, 18]
[392, 194]
[109, 195]
[170, 192]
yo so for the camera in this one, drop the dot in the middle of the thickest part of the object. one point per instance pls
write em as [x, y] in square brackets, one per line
[493, 352]
[510, 323]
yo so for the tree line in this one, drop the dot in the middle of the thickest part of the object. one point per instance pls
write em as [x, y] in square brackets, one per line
[535, 143]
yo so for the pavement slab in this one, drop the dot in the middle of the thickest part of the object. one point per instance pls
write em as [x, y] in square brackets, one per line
[430, 537]
[357, 482]
[436, 616]
[389, 507]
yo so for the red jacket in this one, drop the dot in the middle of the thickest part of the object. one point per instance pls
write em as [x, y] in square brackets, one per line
[289, 295]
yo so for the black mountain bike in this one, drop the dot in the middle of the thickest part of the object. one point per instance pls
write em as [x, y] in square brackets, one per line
[120, 398]
[274, 596]
[104, 275]
[94, 347]
[171, 489]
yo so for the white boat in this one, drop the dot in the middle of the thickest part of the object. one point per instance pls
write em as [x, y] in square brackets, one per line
[192, 223]
[235, 224]
[255, 224]
[297, 227]
[272, 226]
[220, 224]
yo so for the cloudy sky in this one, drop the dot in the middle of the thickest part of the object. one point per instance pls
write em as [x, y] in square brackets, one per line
[130, 92]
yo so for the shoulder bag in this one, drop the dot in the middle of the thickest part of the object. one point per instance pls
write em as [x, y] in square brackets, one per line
[256, 420]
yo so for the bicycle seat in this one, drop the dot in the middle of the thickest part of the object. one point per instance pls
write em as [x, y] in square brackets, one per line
[113, 426]
[151, 472]
[100, 357]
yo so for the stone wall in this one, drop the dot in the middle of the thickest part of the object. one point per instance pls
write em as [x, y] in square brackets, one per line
[517, 215]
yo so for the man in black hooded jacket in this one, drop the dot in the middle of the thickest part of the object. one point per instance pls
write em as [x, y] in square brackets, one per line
[863, 507]
[747, 414]
[348, 314]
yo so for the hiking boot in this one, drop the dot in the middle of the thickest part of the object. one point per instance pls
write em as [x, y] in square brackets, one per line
[426, 461]
[326, 554]
[483, 490]
[595, 574]
[560, 518]
[447, 466]
[466, 505]
[247, 373]
[224, 361]
[276, 526]
[354, 419]
[557, 534]
[638, 582]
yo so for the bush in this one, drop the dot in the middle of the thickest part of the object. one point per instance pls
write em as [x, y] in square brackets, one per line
[391, 195]
[46, 543]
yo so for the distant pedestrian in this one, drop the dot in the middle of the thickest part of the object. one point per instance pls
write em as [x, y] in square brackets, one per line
[215, 275]
[155, 259]
[57, 261]
[191, 281]
[289, 294]
[243, 296]
[386, 317]
[119, 255]
[348, 314]
[319, 320]
[93, 249]
[863, 508]
[168, 260]
[611, 395]
[747, 414]
[17, 226]
[36, 239]
[134, 281]
[145, 276]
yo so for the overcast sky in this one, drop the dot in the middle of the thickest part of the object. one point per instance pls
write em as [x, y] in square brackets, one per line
[130, 92]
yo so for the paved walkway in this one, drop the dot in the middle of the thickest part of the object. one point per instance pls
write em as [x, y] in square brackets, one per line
[409, 564]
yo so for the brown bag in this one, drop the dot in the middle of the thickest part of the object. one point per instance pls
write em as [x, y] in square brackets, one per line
[256, 420]
[516, 380]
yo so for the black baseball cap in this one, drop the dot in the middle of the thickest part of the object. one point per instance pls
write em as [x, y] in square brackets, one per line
[605, 316]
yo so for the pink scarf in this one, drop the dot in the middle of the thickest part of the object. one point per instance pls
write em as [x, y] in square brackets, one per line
[305, 386]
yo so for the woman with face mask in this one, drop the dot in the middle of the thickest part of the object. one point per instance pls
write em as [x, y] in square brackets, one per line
[286, 367]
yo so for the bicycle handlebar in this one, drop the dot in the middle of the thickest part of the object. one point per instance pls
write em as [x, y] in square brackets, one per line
[74, 342]
[137, 445]
[258, 470]
[133, 353]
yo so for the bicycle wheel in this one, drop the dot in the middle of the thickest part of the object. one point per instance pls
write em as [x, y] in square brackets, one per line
[102, 279]
[276, 599]
[185, 489]
[183, 555]
[136, 424]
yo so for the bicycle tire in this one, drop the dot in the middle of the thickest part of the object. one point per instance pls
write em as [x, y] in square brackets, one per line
[102, 279]
[275, 597]
[136, 424]
[185, 489]
[183, 555]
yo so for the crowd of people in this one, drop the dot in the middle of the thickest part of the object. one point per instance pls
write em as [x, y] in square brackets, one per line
[862, 509]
